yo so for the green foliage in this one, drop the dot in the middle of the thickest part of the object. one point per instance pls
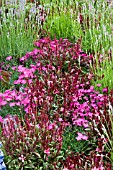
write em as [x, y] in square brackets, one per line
[97, 25]
[17, 36]
[70, 142]
[63, 25]
[15, 110]
[103, 75]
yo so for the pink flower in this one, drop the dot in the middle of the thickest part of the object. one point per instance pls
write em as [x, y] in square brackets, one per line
[100, 168]
[95, 168]
[65, 168]
[51, 126]
[81, 136]
[1, 119]
[22, 158]
[3, 103]
[62, 109]
[98, 85]
[22, 58]
[105, 90]
[47, 151]
[60, 119]
[12, 104]
[37, 44]
[9, 58]
[21, 68]
[14, 68]
[23, 81]
[35, 51]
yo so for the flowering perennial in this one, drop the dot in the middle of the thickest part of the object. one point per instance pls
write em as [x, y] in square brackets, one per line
[54, 93]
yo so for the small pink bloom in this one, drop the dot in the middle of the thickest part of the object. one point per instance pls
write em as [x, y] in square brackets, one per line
[37, 44]
[21, 68]
[105, 90]
[30, 81]
[14, 68]
[50, 126]
[62, 109]
[3, 103]
[81, 137]
[1, 119]
[9, 58]
[92, 88]
[17, 82]
[37, 126]
[98, 85]
[23, 81]
[30, 53]
[22, 158]
[60, 139]
[35, 51]
[22, 58]
[65, 168]
[95, 168]
[12, 104]
[98, 149]
[100, 168]
[60, 119]
[18, 103]
[47, 151]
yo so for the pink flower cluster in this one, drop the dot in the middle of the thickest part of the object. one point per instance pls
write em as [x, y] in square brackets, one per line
[55, 93]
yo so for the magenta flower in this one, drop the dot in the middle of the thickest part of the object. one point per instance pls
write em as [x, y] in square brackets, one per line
[47, 151]
[35, 51]
[9, 58]
[14, 68]
[3, 103]
[1, 119]
[51, 126]
[22, 58]
[12, 104]
[81, 136]
[99, 168]
[65, 168]
[105, 90]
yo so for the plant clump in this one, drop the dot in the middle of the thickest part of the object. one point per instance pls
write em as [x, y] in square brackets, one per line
[54, 94]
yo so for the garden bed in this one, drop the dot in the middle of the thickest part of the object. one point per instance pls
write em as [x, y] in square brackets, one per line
[56, 96]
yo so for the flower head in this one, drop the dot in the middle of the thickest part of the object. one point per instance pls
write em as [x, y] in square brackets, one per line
[1, 119]
[47, 151]
[9, 58]
[81, 136]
